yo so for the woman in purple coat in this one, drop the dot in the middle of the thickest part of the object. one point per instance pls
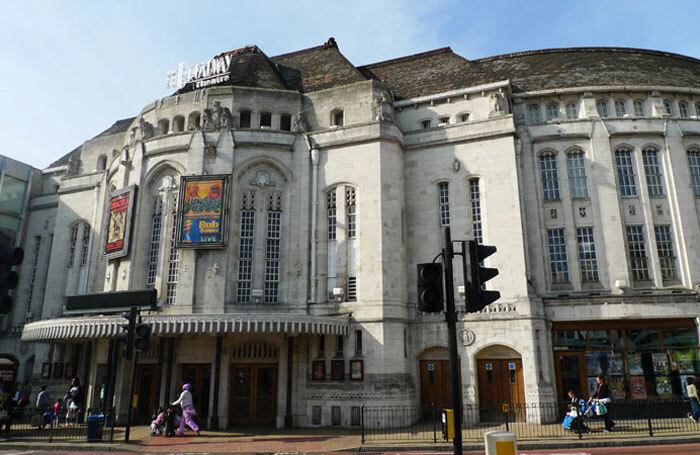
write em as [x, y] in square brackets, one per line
[187, 404]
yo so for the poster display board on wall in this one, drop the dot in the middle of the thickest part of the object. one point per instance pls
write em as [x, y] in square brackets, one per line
[202, 211]
[121, 209]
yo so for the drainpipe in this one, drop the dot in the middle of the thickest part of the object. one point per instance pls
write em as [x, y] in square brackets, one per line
[314, 155]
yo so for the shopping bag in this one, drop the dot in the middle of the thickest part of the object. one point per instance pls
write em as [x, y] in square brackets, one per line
[567, 422]
[589, 411]
[601, 409]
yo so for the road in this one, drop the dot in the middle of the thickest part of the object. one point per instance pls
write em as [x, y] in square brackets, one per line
[685, 449]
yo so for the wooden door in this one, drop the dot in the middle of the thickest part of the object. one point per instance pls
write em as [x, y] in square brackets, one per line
[500, 381]
[571, 375]
[145, 390]
[435, 385]
[199, 376]
[253, 394]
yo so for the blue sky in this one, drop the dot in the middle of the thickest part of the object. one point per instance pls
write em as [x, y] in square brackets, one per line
[69, 69]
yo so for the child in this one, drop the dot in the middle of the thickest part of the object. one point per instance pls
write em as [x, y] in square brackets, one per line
[56, 411]
[158, 423]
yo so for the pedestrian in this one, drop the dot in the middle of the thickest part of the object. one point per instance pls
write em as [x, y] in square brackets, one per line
[602, 395]
[694, 413]
[56, 411]
[188, 411]
[74, 400]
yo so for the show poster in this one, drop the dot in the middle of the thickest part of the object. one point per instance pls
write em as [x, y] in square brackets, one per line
[634, 362]
[617, 386]
[686, 360]
[663, 386]
[121, 209]
[593, 364]
[660, 362]
[202, 219]
[592, 385]
[616, 364]
[638, 388]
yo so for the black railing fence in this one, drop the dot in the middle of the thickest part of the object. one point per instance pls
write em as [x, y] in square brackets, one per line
[632, 418]
[25, 423]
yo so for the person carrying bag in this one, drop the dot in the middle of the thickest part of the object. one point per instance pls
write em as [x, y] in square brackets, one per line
[602, 401]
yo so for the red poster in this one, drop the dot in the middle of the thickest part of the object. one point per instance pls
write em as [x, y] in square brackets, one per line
[120, 209]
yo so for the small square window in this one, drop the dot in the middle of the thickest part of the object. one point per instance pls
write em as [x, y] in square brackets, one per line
[464, 117]
[444, 120]
[245, 119]
[338, 118]
[265, 120]
[425, 124]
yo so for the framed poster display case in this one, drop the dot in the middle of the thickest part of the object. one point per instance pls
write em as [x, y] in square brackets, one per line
[202, 211]
[119, 220]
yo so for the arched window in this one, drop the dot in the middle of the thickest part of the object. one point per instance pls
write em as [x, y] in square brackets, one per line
[550, 176]
[571, 111]
[193, 121]
[602, 107]
[245, 117]
[258, 275]
[163, 260]
[444, 203]
[576, 164]
[475, 206]
[78, 252]
[101, 163]
[652, 172]
[533, 114]
[694, 164]
[552, 111]
[265, 120]
[337, 117]
[163, 126]
[178, 123]
[683, 109]
[620, 107]
[668, 107]
[625, 172]
[286, 122]
[639, 108]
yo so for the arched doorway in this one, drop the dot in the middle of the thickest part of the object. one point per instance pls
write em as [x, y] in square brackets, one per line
[435, 379]
[500, 380]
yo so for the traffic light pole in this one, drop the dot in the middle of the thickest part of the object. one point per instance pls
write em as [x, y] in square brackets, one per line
[451, 317]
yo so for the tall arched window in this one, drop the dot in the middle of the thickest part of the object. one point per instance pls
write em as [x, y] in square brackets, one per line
[625, 172]
[552, 111]
[620, 107]
[550, 176]
[668, 107]
[444, 203]
[475, 206]
[262, 223]
[78, 252]
[571, 111]
[683, 109]
[639, 108]
[163, 126]
[652, 172]
[163, 258]
[576, 164]
[341, 246]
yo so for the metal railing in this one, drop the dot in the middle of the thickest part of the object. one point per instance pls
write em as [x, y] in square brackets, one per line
[25, 423]
[534, 421]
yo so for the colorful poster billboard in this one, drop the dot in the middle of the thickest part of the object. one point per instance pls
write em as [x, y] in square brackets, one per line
[202, 211]
[121, 209]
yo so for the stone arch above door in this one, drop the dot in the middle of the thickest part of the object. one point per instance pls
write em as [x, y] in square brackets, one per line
[435, 352]
[498, 351]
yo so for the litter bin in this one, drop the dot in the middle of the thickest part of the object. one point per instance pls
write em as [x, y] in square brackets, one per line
[95, 423]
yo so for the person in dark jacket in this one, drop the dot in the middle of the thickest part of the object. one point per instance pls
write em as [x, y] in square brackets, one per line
[602, 395]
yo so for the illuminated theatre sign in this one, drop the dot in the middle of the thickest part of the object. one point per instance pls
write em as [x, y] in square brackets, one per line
[202, 74]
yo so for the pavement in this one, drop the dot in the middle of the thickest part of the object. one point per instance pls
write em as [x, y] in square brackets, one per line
[311, 440]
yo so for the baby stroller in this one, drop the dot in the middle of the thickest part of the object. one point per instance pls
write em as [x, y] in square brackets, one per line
[158, 422]
[171, 420]
[573, 420]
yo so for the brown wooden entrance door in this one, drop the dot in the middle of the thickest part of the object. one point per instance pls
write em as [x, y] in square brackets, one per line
[435, 385]
[199, 376]
[253, 394]
[571, 374]
[145, 389]
[500, 381]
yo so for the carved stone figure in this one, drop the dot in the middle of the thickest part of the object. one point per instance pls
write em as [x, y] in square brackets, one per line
[382, 108]
[147, 131]
[300, 123]
[499, 103]
[218, 117]
[73, 165]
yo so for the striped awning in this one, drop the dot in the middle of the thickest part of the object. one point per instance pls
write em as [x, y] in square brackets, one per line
[92, 327]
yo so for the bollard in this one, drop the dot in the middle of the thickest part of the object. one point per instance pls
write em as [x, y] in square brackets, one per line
[500, 443]
[432, 405]
[362, 421]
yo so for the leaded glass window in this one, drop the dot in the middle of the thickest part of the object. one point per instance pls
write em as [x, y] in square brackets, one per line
[664, 246]
[694, 164]
[550, 177]
[559, 268]
[577, 174]
[625, 173]
[587, 258]
[571, 111]
[620, 108]
[475, 203]
[533, 114]
[637, 252]
[602, 106]
[444, 201]
[652, 172]
[638, 108]
[552, 111]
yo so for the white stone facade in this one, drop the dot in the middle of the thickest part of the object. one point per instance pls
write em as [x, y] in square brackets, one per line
[479, 139]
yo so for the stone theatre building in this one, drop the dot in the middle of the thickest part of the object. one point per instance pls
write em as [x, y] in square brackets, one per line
[581, 165]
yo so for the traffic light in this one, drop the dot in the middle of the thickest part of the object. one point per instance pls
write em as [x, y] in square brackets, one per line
[143, 334]
[9, 256]
[430, 297]
[478, 297]
[128, 336]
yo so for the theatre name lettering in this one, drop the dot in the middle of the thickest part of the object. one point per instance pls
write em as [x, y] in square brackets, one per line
[202, 74]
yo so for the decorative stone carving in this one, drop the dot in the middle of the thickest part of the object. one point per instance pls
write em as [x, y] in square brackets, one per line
[456, 165]
[73, 165]
[147, 130]
[300, 125]
[632, 210]
[582, 212]
[467, 337]
[499, 103]
[382, 108]
[659, 209]
[262, 179]
[499, 308]
[553, 214]
[218, 117]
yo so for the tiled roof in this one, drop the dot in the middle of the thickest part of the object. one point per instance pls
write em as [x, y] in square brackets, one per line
[442, 70]
[317, 68]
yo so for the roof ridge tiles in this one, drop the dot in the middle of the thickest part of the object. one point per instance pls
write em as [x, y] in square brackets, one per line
[288, 54]
[411, 57]
[556, 50]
